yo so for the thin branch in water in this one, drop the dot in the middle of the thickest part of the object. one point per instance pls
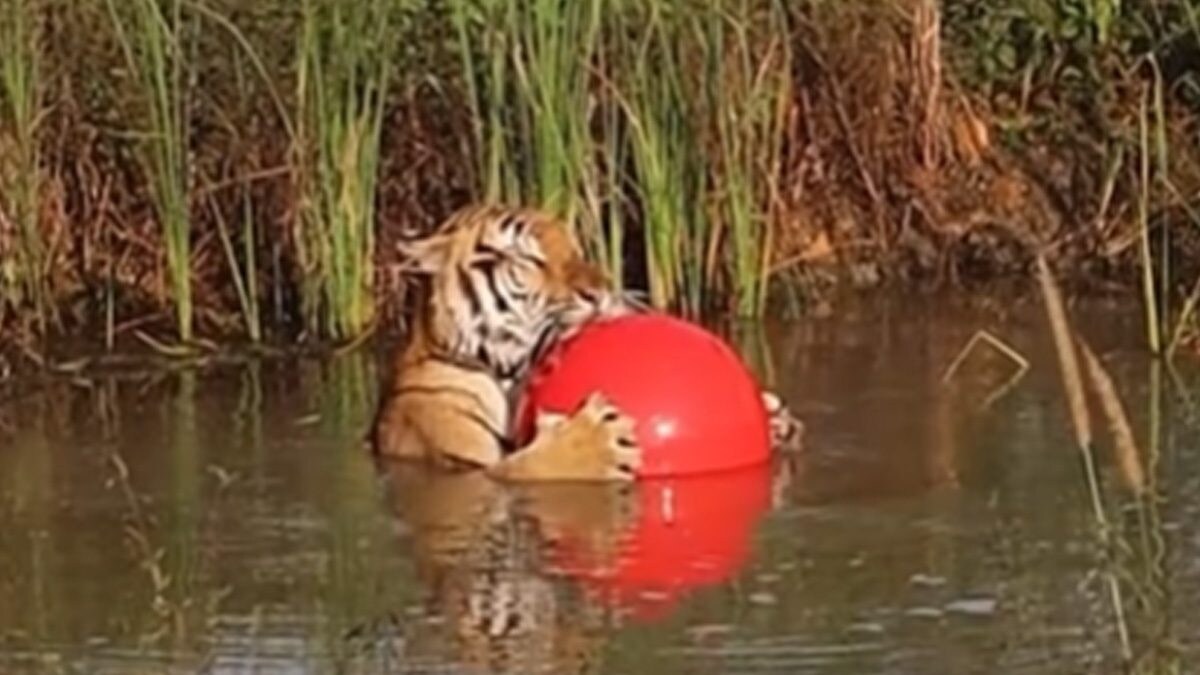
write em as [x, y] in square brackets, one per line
[1022, 364]
[1185, 317]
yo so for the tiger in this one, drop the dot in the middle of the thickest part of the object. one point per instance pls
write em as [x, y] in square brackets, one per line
[499, 285]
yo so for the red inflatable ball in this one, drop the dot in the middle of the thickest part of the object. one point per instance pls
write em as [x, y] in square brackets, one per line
[696, 406]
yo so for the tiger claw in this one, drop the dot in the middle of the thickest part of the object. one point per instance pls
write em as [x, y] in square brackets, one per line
[628, 462]
[547, 420]
[619, 429]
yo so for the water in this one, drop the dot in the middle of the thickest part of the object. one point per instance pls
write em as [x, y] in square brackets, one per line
[228, 520]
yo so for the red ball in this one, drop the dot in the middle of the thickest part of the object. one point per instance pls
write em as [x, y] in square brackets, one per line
[696, 406]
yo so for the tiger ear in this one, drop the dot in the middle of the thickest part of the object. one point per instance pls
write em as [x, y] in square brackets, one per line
[424, 256]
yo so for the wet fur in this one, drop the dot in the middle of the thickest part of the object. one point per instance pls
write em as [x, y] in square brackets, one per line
[450, 401]
[451, 395]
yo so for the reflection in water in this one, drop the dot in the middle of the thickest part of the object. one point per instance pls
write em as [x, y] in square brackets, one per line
[230, 520]
[533, 578]
[481, 553]
[684, 538]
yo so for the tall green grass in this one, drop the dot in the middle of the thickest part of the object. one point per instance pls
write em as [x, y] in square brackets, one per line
[243, 270]
[658, 128]
[23, 275]
[484, 56]
[1156, 185]
[667, 176]
[669, 112]
[706, 89]
[152, 37]
[344, 63]
[527, 68]
[1150, 294]
[750, 93]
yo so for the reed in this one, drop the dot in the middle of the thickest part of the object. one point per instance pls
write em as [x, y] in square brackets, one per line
[485, 72]
[606, 198]
[671, 112]
[667, 179]
[344, 68]
[556, 44]
[706, 89]
[243, 269]
[23, 274]
[152, 37]
[1146, 256]
[749, 94]
[527, 69]
[700, 147]
[1066, 347]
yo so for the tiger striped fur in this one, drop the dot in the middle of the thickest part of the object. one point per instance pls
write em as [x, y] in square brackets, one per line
[501, 285]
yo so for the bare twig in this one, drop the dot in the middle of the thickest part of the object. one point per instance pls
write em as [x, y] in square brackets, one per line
[1022, 364]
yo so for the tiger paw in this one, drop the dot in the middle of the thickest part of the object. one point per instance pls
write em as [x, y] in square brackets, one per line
[595, 443]
[612, 447]
[787, 431]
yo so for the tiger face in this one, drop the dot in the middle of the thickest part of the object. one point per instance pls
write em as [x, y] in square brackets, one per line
[503, 283]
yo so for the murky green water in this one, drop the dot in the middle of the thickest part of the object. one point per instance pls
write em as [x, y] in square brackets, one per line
[229, 520]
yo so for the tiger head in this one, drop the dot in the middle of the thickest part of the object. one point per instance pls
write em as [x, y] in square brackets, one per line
[502, 283]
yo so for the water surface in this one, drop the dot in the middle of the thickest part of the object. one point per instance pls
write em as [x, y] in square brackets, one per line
[227, 519]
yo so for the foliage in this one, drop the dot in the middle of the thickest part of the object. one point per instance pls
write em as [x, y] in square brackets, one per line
[22, 251]
[345, 55]
[152, 36]
[598, 108]
[705, 150]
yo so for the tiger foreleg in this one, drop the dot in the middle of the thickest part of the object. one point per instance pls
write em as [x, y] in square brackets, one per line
[446, 421]
[596, 443]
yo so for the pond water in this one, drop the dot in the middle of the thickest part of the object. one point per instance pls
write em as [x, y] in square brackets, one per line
[228, 519]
